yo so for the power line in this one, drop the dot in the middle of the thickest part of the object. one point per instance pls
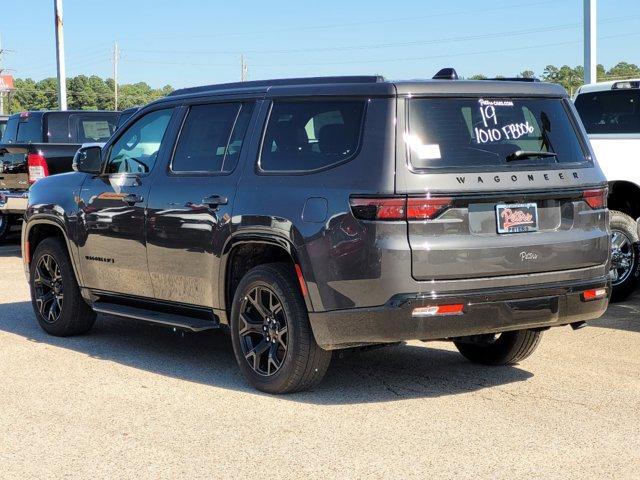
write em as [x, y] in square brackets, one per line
[491, 35]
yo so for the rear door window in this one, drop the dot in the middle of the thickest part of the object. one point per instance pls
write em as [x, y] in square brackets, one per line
[303, 136]
[468, 133]
[211, 138]
[613, 111]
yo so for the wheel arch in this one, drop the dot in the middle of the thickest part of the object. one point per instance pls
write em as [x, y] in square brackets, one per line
[245, 251]
[37, 229]
[624, 196]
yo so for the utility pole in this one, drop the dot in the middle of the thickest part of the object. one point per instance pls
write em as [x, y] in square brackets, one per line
[116, 57]
[1, 93]
[243, 69]
[590, 37]
[62, 74]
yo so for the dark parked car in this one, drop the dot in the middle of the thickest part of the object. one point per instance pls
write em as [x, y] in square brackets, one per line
[309, 215]
[38, 144]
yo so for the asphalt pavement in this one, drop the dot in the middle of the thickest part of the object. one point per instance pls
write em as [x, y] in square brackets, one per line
[132, 400]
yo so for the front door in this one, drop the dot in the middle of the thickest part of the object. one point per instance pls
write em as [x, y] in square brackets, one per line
[191, 203]
[112, 210]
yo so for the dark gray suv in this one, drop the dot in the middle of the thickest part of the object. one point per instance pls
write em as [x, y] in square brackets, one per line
[309, 215]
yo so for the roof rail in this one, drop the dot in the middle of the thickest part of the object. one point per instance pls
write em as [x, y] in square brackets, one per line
[515, 79]
[279, 82]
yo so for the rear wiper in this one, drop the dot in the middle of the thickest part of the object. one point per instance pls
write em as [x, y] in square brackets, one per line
[519, 154]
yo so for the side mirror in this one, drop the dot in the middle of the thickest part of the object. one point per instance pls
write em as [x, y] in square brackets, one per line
[88, 159]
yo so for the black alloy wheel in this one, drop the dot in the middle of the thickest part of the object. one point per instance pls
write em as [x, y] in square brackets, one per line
[49, 289]
[263, 330]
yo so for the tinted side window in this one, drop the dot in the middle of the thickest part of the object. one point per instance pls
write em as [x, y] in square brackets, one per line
[204, 139]
[309, 135]
[9, 135]
[136, 150]
[614, 111]
[57, 128]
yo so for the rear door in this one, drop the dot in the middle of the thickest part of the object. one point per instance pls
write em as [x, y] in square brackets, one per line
[191, 202]
[496, 186]
[112, 208]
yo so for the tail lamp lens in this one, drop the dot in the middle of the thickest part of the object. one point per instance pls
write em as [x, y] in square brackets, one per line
[399, 208]
[596, 198]
[379, 208]
[38, 167]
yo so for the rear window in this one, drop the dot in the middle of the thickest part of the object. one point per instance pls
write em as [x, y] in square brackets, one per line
[613, 111]
[303, 136]
[463, 133]
[30, 129]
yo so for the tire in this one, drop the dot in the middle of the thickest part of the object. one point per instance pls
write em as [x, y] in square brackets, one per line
[507, 348]
[69, 316]
[624, 255]
[269, 312]
[5, 226]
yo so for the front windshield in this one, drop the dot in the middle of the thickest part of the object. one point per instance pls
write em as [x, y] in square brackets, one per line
[481, 132]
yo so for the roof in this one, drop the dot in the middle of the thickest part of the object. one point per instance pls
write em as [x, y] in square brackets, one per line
[371, 85]
[604, 86]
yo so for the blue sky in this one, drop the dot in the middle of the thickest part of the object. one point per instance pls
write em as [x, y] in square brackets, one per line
[191, 42]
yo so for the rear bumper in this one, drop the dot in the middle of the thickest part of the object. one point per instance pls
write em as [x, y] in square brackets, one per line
[13, 202]
[484, 312]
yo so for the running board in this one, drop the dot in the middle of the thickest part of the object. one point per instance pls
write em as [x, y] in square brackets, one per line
[168, 319]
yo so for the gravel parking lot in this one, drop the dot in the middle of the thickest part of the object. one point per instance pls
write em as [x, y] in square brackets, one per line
[135, 400]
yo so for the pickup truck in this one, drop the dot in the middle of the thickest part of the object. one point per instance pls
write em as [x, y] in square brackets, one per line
[37, 144]
[610, 112]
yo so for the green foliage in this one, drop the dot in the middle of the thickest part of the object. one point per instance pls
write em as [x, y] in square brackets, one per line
[83, 93]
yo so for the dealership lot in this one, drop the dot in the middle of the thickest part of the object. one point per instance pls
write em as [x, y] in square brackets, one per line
[134, 399]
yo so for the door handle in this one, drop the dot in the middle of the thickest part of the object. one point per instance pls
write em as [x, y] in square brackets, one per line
[214, 200]
[132, 199]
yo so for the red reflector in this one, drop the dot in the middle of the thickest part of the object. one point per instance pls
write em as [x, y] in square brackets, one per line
[433, 310]
[596, 198]
[26, 255]
[38, 167]
[594, 294]
[303, 284]
[379, 208]
[427, 208]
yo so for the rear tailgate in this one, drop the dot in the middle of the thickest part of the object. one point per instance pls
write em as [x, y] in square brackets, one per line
[499, 186]
[14, 172]
[463, 242]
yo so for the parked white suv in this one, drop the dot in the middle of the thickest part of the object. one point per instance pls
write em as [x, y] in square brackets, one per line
[610, 112]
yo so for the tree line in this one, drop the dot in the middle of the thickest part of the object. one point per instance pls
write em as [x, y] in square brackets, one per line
[95, 93]
[83, 93]
[571, 78]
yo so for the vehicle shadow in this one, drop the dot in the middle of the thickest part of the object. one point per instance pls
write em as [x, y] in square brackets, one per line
[622, 315]
[380, 375]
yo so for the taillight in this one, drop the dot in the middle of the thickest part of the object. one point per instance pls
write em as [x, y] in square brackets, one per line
[596, 198]
[427, 208]
[399, 208]
[38, 167]
[379, 208]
